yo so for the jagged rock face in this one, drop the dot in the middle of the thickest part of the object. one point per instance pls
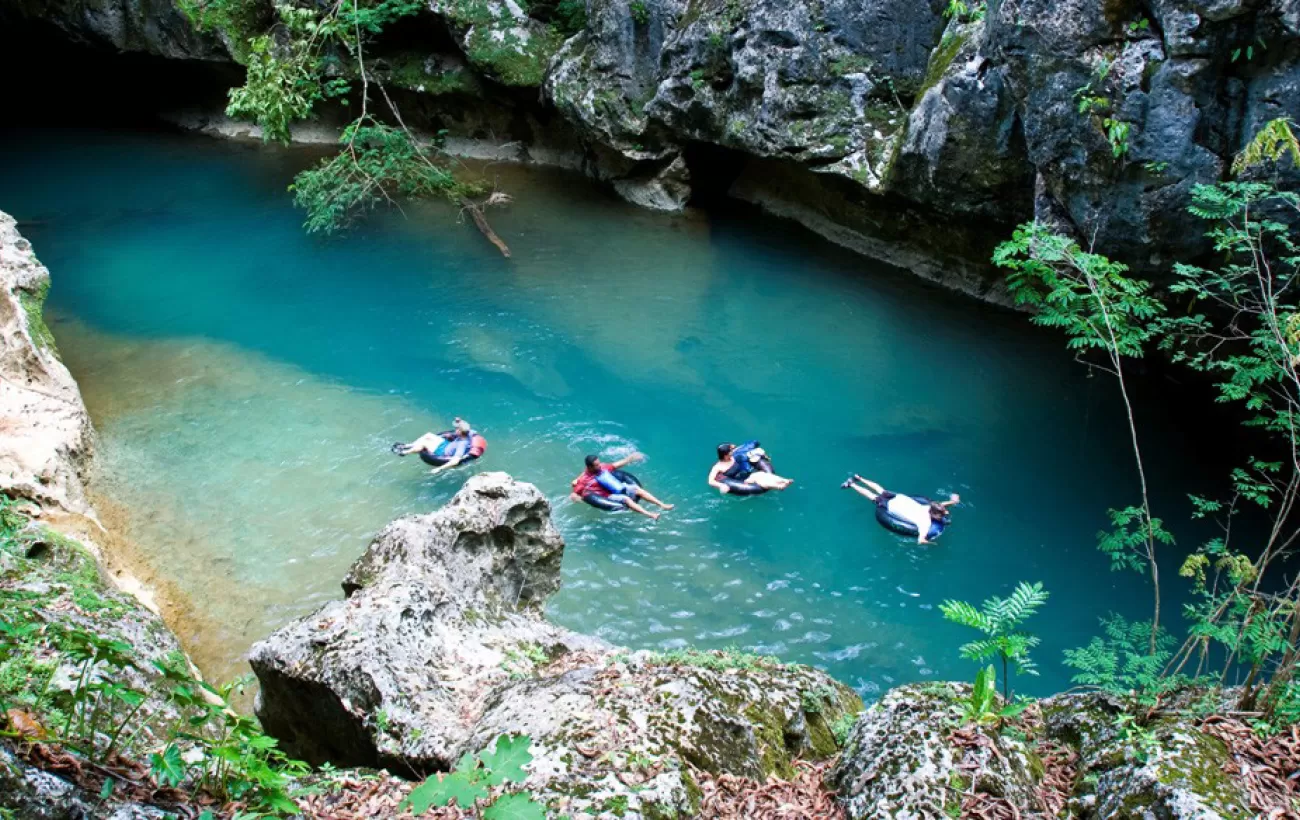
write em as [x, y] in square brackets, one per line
[900, 763]
[1182, 775]
[45, 432]
[441, 646]
[155, 27]
[1164, 107]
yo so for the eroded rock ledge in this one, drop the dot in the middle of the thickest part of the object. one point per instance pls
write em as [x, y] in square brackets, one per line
[45, 432]
[441, 645]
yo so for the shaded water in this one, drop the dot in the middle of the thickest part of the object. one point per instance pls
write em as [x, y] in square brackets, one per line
[246, 381]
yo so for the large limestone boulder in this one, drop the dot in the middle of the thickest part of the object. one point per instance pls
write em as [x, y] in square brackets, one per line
[1169, 769]
[45, 432]
[441, 645]
[901, 760]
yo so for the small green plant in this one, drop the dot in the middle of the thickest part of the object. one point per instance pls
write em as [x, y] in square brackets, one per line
[640, 12]
[1093, 104]
[1000, 619]
[473, 779]
[1143, 740]
[981, 707]
[1273, 142]
[1249, 51]
[239, 763]
[813, 701]
[1117, 132]
[841, 728]
[1139, 25]
[1155, 167]
[965, 12]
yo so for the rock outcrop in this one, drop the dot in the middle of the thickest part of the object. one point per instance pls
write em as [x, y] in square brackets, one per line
[157, 27]
[913, 754]
[885, 125]
[45, 432]
[441, 646]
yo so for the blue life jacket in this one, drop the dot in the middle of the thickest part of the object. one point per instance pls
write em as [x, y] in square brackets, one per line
[741, 467]
[612, 483]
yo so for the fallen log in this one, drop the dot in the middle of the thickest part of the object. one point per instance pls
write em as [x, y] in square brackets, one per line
[480, 221]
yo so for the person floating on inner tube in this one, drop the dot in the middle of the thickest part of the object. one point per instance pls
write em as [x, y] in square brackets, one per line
[607, 487]
[745, 470]
[459, 445]
[905, 514]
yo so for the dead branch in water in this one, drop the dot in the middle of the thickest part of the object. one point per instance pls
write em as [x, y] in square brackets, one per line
[480, 221]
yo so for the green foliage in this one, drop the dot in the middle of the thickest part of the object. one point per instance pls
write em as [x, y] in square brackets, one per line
[570, 16]
[1139, 25]
[1093, 104]
[1117, 132]
[640, 12]
[473, 779]
[99, 713]
[965, 12]
[1126, 544]
[1262, 261]
[1142, 740]
[813, 701]
[841, 728]
[1121, 662]
[1085, 295]
[240, 20]
[238, 762]
[1283, 714]
[718, 659]
[1000, 619]
[1249, 51]
[377, 164]
[981, 707]
[1271, 144]
[278, 91]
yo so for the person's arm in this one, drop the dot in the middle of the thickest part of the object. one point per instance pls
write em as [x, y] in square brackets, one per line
[574, 497]
[713, 479]
[452, 463]
[623, 462]
[953, 499]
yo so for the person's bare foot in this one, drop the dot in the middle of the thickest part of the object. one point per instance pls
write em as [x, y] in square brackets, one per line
[667, 506]
[653, 516]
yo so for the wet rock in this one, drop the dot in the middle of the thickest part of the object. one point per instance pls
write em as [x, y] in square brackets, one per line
[45, 432]
[157, 27]
[441, 646]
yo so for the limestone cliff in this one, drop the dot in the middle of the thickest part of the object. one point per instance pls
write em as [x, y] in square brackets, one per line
[45, 433]
[883, 124]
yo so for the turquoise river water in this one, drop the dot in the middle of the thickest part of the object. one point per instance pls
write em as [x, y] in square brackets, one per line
[246, 381]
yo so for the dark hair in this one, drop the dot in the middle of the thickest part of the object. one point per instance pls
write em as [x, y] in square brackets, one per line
[937, 511]
[725, 449]
[591, 461]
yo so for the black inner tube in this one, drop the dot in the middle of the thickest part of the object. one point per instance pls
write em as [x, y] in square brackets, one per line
[902, 526]
[601, 502]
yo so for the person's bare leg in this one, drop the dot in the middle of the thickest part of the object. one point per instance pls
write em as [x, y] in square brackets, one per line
[768, 481]
[428, 441]
[869, 494]
[873, 485]
[635, 507]
[642, 492]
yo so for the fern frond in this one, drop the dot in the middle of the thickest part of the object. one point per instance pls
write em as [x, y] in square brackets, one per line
[1274, 141]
